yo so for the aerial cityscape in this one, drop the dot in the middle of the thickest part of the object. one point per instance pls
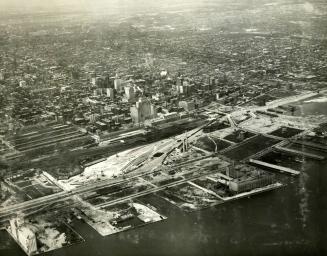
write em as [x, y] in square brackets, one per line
[165, 127]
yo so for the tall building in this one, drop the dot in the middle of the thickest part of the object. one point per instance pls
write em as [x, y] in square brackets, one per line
[110, 93]
[118, 84]
[107, 82]
[97, 92]
[142, 111]
[93, 79]
[2, 76]
[179, 81]
[93, 118]
[129, 93]
[212, 82]
[187, 105]
[186, 88]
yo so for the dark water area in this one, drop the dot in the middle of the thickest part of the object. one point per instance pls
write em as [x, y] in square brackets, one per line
[311, 107]
[283, 159]
[288, 221]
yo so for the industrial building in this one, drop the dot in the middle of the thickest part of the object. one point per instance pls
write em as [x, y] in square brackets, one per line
[23, 235]
[247, 183]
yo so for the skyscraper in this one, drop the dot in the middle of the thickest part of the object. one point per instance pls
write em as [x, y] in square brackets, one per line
[143, 110]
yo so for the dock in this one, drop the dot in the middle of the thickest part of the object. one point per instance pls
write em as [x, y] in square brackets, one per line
[255, 191]
[311, 145]
[278, 168]
[301, 153]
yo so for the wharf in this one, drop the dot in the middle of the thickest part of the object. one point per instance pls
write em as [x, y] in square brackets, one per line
[278, 168]
[254, 191]
[311, 145]
[297, 152]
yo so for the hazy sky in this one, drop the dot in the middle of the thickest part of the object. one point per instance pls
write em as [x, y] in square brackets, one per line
[26, 6]
[120, 6]
[51, 5]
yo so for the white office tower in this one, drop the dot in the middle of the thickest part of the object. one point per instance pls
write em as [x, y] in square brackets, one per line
[93, 80]
[118, 84]
[110, 93]
[142, 111]
[129, 92]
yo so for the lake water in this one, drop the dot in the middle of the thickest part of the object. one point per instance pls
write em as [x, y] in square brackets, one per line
[315, 106]
[288, 221]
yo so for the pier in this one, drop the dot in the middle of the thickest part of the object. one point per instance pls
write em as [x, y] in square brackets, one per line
[297, 152]
[311, 145]
[278, 168]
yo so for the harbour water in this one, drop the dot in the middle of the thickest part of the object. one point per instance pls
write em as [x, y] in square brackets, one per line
[288, 221]
[314, 106]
